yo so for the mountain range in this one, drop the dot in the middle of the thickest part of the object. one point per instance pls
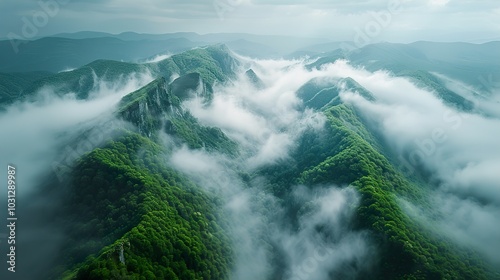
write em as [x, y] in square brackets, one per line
[216, 163]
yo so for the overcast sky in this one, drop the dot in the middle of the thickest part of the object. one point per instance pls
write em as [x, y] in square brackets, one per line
[337, 20]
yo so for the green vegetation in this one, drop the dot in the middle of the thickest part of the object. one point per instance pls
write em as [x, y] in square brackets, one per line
[197, 136]
[428, 81]
[184, 86]
[55, 53]
[407, 250]
[327, 58]
[125, 201]
[254, 79]
[12, 85]
[157, 107]
[346, 153]
[83, 80]
[147, 107]
[213, 64]
[128, 215]
[351, 85]
[320, 93]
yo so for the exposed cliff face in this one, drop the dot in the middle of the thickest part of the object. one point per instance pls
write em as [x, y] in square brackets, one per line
[159, 102]
[321, 93]
[189, 86]
[157, 107]
[148, 106]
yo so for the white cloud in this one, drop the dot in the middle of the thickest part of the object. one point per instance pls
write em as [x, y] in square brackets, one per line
[35, 129]
[458, 149]
[258, 230]
[264, 121]
[158, 58]
[35, 139]
[314, 254]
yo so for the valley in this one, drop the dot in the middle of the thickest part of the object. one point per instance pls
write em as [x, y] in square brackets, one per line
[209, 164]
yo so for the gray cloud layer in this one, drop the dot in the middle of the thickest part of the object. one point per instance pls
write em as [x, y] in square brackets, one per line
[455, 20]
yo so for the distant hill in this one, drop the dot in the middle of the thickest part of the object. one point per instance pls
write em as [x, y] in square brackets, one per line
[269, 44]
[57, 54]
[72, 50]
[470, 63]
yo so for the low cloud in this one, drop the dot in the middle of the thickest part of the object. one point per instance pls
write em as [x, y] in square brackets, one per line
[266, 122]
[40, 137]
[157, 58]
[323, 244]
[244, 206]
[459, 151]
[34, 130]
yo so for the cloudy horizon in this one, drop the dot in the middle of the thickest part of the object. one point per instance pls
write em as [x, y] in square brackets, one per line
[389, 20]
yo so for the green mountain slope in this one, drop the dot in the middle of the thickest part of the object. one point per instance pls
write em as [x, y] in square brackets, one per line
[129, 214]
[13, 84]
[213, 64]
[130, 197]
[323, 93]
[157, 108]
[428, 81]
[141, 218]
[349, 154]
[407, 251]
[473, 64]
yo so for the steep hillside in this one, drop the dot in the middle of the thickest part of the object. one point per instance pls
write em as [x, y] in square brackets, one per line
[141, 218]
[140, 207]
[349, 154]
[220, 168]
[13, 84]
[213, 64]
[406, 251]
[156, 108]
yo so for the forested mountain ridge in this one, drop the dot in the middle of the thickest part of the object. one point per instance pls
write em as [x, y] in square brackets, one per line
[209, 135]
[211, 63]
[136, 207]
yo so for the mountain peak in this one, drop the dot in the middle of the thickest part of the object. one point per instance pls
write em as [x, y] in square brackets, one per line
[144, 107]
